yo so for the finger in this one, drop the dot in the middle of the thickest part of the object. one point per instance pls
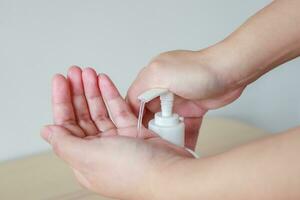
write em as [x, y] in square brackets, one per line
[181, 106]
[68, 147]
[119, 111]
[154, 105]
[192, 126]
[187, 108]
[148, 78]
[63, 113]
[79, 101]
[95, 102]
[148, 115]
[222, 100]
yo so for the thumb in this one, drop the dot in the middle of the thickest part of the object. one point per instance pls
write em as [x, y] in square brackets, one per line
[65, 145]
[148, 78]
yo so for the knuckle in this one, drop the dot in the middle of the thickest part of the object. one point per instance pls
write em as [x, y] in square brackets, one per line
[155, 74]
[84, 121]
[65, 122]
[84, 116]
[101, 118]
[155, 66]
[159, 65]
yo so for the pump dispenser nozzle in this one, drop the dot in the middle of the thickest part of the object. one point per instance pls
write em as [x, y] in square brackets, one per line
[166, 103]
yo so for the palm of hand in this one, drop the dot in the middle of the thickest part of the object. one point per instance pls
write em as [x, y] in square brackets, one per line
[103, 150]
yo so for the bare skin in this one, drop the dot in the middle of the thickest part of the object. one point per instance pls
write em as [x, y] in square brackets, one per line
[103, 150]
[216, 76]
[108, 158]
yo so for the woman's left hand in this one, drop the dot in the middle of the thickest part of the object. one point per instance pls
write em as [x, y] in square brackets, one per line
[95, 132]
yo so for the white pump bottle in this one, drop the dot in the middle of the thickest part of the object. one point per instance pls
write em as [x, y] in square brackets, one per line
[167, 124]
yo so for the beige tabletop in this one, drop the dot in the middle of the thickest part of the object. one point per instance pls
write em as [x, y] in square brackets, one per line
[45, 177]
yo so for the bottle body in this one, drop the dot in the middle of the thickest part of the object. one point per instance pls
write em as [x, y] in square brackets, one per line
[171, 128]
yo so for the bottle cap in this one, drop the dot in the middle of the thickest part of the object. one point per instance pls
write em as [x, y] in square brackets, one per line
[166, 121]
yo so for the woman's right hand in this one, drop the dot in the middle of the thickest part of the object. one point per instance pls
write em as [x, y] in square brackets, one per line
[201, 80]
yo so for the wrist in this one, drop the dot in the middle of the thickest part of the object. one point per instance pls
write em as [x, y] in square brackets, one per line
[241, 60]
[226, 62]
[233, 63]
[175, 181]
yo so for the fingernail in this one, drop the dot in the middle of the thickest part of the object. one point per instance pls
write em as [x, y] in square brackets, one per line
[102, 75]
[103, 80]
[46, 133]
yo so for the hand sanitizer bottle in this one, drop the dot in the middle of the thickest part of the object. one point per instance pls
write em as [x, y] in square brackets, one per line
[167, 124]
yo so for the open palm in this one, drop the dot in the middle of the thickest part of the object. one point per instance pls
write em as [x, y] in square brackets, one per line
[95, 132]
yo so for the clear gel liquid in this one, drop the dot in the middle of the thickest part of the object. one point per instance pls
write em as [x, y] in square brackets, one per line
[140, 118]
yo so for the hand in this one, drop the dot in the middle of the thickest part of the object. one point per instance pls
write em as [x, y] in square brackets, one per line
[197, 78]
[103, 149]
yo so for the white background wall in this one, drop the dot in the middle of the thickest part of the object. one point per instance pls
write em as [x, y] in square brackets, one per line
[39, 38]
